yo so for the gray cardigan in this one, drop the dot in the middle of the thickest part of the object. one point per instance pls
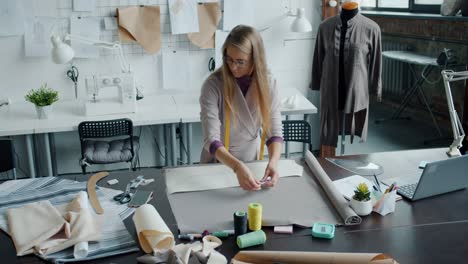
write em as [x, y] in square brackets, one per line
[362, 59]
[245, 127]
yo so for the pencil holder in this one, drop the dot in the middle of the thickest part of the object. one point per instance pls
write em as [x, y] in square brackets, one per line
[385, 202]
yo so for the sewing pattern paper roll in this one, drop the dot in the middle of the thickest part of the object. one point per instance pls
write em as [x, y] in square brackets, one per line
[153, 233]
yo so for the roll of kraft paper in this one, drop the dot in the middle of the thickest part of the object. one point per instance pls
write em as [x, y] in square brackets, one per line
[255, 216]
[153, 233]
[251, 239]
[240, 223]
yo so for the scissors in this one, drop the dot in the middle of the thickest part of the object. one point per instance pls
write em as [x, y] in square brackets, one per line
[73, 75]
[126, 196]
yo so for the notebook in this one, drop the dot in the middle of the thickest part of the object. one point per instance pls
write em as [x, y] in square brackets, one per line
[437, 178]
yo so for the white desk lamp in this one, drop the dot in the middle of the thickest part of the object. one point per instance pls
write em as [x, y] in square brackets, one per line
[63, 53]
[300, 24]
[458, 133]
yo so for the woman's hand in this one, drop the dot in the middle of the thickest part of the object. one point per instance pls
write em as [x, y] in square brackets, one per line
[271, 174]
[246, 180]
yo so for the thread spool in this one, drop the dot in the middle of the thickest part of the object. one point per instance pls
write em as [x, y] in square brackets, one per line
[251, 239]
[255, 216]
[240, 223]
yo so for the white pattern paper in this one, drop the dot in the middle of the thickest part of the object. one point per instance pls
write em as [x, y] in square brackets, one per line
[184, 16]
[238, 12]
[220, 37]
[11, 18]
[176, 70]
[89, 28]
[84, 5]
[37, 36]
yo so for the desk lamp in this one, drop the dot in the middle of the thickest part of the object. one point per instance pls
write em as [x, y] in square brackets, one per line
[457, 129]
[63, 53]
[300, 24]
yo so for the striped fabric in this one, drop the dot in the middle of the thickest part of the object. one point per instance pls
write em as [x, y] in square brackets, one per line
[115, 238]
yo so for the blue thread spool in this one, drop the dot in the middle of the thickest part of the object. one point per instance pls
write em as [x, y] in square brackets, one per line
[251, 239]
[240, 223]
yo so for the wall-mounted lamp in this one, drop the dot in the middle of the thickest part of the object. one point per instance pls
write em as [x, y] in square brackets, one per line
[300, 23]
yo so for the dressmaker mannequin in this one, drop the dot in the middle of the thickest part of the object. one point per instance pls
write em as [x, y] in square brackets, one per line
[350, 5]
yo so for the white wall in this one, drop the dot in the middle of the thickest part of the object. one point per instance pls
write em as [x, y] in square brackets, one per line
[289, 58]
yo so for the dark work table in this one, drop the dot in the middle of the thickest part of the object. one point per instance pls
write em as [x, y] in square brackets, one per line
[432, 230]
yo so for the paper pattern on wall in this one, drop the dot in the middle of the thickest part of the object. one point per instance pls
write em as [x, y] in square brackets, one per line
[11, 18]
[183, 15]
[37, 36]
[140, 24]
[238, 12]
[176, 70]
[220, 37]
[209, 15]
[86, 27]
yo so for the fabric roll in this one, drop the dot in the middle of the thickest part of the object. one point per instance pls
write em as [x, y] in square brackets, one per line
[140, 24]
[153, 233]
[347, 214]
[81, 248]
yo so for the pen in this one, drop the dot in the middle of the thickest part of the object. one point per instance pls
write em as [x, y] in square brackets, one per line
[390, 188]
[377, 181]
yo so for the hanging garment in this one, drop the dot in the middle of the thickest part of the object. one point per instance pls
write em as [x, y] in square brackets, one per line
[362, 64]
[245, 123]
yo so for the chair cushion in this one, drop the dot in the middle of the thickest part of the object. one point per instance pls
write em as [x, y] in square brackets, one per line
[101, 152]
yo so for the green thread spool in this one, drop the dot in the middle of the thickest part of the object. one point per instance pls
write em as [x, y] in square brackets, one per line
[255, 216]
[220, 234]
[251, 239]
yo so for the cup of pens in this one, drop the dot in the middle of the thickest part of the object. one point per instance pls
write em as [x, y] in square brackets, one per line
[385, 201]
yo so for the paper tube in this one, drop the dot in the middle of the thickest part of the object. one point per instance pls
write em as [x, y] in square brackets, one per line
[337, 199]
[265, 257]
[81, 248]
[209, 16]
[153, 233]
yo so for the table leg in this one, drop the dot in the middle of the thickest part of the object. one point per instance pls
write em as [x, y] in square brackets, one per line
[166, 149]
[52, 152]
[189, 143]
[304, 145]
[29, 149]
[47, 154]
[173, 145]
[181, 143]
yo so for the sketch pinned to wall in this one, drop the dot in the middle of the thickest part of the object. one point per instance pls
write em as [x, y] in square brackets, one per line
[183, 15]
[11, 18]
[238, 12]
[89, 28]
[84, 5]
[209, 15]
[38, 31]
[176, 70]
[220, 37]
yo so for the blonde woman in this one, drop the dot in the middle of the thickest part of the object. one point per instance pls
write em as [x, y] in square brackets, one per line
[239, 101]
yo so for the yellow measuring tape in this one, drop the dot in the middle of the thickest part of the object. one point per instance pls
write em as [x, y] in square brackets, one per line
[227, 134]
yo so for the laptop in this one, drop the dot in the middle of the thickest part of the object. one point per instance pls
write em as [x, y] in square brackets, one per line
[438, 177]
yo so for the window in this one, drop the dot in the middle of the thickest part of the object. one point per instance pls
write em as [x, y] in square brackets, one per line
[416, 6]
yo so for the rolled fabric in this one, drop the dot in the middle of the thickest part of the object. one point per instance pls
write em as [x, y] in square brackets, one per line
[153, 233]
[81, 248]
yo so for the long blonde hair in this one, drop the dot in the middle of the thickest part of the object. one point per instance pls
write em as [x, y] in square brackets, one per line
[249, 41]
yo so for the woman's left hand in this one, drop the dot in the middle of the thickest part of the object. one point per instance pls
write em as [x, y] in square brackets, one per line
[271, 172]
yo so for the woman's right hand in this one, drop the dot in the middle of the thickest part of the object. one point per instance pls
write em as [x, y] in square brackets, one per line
[246, 180]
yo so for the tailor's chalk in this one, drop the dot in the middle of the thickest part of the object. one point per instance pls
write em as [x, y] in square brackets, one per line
[263, 182]
[283, 229]
[220, 234]
[422, 164]
[146, 182]
[112, 182]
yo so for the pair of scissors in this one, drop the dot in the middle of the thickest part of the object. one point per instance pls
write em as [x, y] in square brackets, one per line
[73, 74]
[124, 197]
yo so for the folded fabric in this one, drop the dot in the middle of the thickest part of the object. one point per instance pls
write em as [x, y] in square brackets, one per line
[40, 227]
[140, 24]
[209, 15]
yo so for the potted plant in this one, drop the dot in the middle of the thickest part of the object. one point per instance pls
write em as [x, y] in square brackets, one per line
[42, 98]
[361, 201]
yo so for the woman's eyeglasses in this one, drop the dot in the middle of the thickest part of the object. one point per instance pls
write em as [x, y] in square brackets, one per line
[239, 63]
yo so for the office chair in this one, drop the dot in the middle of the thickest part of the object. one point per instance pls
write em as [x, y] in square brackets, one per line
[7, 156]
[120, 146]
[297, 131]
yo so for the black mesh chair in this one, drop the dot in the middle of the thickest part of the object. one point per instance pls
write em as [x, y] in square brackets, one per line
[7, 157]
[108, 141]
[297, 131]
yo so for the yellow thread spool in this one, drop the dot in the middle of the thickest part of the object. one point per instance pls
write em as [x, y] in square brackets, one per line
[255, 216]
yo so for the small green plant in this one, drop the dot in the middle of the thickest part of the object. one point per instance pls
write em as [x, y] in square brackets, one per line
[361, 193]
[43, 96]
